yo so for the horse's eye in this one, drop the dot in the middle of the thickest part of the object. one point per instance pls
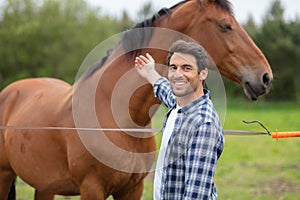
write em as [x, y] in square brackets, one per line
[225, 27]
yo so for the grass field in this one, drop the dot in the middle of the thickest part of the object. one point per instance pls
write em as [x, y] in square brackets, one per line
[258, 167]
[251, 167]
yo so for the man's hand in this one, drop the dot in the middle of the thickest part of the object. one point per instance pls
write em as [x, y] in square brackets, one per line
[145, 65]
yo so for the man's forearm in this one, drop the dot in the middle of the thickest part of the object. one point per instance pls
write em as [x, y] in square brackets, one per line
[153, 77]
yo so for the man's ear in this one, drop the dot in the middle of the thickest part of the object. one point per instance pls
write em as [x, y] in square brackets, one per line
[203, 74]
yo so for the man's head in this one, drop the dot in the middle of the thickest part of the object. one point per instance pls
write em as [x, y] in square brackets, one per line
[187, 63]
[192, 48]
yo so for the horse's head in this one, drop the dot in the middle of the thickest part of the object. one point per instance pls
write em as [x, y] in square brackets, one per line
[212, 24]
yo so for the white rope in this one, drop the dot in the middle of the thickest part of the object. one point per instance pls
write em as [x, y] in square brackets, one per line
[79, 129]
[141, 130]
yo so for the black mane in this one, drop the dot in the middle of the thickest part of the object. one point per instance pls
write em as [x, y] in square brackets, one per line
[224, 5]
[136, 38]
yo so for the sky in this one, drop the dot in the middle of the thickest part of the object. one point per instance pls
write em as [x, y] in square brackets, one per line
[242, 8]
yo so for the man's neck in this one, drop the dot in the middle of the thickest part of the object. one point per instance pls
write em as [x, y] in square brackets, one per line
[183, 101]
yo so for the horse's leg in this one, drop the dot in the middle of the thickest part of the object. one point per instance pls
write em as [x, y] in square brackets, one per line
[7, 175]
[90, 189]
[12, 192]
[132, 193]
[43, 196]
[6, 181]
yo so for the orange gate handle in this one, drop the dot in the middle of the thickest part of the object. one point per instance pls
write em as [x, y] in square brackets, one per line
[285, 134]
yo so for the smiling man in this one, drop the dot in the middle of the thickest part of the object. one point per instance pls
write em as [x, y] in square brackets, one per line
[193, 139]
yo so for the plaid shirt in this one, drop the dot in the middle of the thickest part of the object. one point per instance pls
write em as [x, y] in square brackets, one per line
[193, 150]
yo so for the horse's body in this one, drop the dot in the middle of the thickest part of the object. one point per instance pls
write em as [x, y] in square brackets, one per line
[58, 162]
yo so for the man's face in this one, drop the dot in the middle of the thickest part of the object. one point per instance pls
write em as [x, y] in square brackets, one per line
[183, 75]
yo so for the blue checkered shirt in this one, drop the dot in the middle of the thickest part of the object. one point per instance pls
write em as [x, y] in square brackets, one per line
[193, 150]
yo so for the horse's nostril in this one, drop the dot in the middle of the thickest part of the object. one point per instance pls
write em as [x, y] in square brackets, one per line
[266, 79]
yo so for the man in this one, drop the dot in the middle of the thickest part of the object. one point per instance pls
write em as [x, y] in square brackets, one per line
[192, 139]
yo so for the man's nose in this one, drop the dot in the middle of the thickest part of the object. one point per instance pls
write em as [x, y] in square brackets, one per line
[178, 72]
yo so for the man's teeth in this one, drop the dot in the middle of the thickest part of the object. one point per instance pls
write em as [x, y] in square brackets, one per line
[179, 82]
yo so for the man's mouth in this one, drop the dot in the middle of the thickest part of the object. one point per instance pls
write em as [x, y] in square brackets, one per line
[179, 82]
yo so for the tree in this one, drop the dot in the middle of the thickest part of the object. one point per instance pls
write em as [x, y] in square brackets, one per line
[280, 41]
[49, 37]
[276, 11]
[126, 22]
[146, 11]
[250, 26]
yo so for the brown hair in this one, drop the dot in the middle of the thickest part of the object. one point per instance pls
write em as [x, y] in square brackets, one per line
[193, 48]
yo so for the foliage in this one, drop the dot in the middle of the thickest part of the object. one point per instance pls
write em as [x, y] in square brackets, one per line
[146, 11]
[49, 37]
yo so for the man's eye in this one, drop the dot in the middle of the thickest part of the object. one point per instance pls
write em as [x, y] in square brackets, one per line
[172, 68]
[187, 69]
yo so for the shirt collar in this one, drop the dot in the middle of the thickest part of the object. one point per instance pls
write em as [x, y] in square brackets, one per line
[191, 106]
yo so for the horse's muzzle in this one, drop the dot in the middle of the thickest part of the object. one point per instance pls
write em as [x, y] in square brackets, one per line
[255, 89]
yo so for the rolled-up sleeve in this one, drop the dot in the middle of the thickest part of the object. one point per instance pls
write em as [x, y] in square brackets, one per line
[162, 90]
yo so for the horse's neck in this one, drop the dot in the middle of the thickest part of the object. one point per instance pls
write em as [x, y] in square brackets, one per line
[120, 97]
[118, 94]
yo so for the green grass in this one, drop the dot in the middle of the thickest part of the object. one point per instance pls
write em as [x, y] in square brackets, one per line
[251, 167]
[258, 167]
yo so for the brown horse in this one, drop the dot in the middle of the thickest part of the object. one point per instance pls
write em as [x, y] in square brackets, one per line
[96, 164]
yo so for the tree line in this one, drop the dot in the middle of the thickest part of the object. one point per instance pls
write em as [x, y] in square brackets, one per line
[52, 38]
